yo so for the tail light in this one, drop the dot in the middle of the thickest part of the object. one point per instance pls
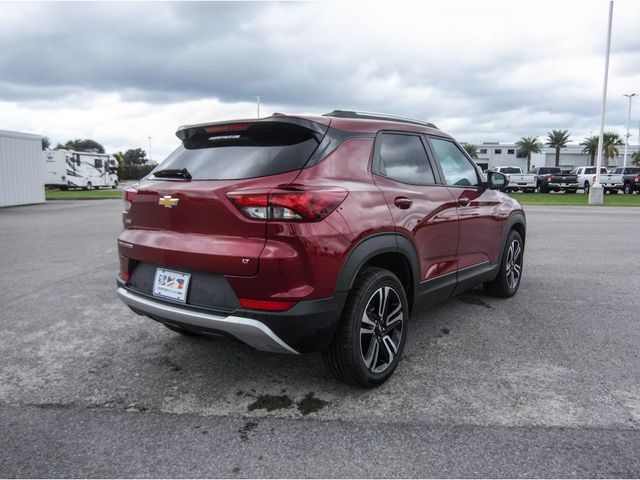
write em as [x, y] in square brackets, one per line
[636, 179]
[268, 305]
[128, 196]
[289, 205]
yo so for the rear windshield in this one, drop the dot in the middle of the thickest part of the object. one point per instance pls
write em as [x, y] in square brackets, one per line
[549, 170]
[251, 150]
[509, 170]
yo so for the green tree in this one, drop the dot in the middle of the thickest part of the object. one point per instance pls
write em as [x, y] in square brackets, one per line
[135, 157]
[590, 145]
[635, 159]
[527, 146]
[119, 156]
[558, 139]
[472, 150]
[86, 145]
[611, 142]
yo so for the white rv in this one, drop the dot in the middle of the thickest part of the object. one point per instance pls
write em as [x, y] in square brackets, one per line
[68, 169]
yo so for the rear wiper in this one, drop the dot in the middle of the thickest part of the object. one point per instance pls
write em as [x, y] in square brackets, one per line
[173, 173]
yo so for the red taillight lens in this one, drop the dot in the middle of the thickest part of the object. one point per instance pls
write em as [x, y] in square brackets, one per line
[297, 205]
[268, 305]
[128, 196]
[636, 179]
[234, 127]
[125, 277]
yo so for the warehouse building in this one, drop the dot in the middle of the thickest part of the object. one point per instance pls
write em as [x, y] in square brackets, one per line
[21, 171]
[494, 154]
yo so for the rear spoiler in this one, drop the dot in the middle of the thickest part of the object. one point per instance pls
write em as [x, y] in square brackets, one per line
[187, 131]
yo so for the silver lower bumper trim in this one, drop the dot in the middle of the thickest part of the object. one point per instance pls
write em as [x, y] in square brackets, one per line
[250, 331]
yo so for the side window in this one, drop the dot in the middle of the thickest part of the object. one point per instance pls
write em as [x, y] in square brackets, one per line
[97, 162]
[458, 170]
[404, 159]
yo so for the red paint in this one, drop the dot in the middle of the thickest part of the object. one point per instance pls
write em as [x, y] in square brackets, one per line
[341, 203]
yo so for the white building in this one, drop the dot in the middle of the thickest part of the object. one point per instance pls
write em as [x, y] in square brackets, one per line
[21, 170]
[494, 154]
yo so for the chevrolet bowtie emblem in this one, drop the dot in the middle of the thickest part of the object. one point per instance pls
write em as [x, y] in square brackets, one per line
[168, 202]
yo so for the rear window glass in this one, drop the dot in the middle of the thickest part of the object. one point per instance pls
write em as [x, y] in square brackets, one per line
[509, 170]
[549, 170]
[256, 150]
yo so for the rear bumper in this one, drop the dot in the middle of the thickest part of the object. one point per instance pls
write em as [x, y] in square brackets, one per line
[247, 330]
[569, 186]
[309, 326]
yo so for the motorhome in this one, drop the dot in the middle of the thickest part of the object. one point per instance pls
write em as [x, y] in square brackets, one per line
[66, 169]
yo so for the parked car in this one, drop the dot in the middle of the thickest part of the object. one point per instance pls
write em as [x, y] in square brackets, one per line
[587, 176]
[631, 180]
[518, 180]
[551, 179]
[298, 234]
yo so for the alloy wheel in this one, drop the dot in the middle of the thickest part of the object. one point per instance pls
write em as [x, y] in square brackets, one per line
[381, 329]
[514, 264]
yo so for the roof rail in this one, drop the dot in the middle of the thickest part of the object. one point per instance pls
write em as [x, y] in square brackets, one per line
[376, 116]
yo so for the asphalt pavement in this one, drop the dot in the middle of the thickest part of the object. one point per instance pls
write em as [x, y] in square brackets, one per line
[546, 384]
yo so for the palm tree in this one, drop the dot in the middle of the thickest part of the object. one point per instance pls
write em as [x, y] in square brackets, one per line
[527, 146]
[472, 150]
[590, 145]
[558, 139]
[611, 143]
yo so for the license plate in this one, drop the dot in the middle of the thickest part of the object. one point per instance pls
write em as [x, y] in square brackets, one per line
[170, 284]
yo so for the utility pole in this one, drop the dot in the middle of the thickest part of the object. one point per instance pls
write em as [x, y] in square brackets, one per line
[626, 141]
[258, 97]
[596, 192]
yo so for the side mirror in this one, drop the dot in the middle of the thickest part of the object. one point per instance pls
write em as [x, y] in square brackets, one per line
[497, 181]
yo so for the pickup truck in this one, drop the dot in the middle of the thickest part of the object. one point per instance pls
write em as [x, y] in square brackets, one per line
[587, 176]
[631, 180]
[518, 180]
[613, 181]
[551, 179]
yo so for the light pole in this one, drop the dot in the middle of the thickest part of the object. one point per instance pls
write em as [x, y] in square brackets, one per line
[596, 192]
[258, 97]
[149, 138]
[626, 141]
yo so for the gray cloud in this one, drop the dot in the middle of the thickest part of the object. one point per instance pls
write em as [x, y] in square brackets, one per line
[505, 66]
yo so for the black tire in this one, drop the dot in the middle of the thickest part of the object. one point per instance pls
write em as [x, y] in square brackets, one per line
[115, 185]
[503, 286]
[586, 187]
[182, 331]
[345, 356]
[627, 190]
[542, 188]
[88, 187]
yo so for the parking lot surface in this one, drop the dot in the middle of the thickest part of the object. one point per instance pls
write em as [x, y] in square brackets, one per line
[545, 384]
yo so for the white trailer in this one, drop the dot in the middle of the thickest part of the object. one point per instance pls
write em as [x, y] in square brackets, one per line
[66, 169]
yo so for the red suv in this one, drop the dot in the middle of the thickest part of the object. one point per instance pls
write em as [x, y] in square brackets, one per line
[303, 234]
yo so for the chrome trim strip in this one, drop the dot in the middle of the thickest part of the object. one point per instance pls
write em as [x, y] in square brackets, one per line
[250, 331]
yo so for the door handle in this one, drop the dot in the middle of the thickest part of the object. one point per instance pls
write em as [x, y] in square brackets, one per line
[463, 201]
[402, 202]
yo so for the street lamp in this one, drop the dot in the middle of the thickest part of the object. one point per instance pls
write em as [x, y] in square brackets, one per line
[596, 192]
[626, 141]
[258, 97]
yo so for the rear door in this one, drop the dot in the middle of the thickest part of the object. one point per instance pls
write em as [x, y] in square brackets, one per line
[480, 224]
[422, 208]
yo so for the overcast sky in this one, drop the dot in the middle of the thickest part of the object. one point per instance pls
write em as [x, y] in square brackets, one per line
[482, 71]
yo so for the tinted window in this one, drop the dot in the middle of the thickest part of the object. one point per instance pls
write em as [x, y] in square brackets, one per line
[403, 158]
[259, 150]
[511, 151]
[97, 162]
[457, 169]
[510, 170]
[546, 170]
